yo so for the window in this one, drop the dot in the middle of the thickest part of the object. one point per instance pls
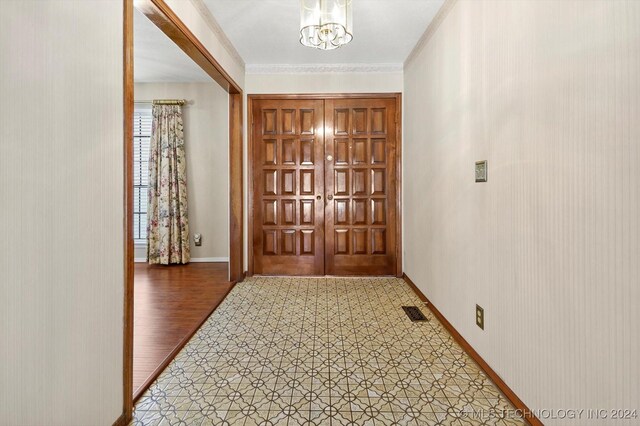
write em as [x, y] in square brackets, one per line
[141, 140]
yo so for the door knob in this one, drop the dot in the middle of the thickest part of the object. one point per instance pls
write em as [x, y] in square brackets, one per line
[319, 197]
[329, 157]
[329, 197]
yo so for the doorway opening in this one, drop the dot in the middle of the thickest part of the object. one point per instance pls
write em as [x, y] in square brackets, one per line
[169, 303]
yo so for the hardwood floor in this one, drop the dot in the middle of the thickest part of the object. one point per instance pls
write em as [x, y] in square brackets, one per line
[170, 303]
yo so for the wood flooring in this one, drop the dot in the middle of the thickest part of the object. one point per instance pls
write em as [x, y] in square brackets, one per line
[170, 303]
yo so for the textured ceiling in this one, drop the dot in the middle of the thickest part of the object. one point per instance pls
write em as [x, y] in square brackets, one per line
[158, 59]
[267, 31]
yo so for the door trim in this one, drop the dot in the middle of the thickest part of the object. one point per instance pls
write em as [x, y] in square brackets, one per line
[322, 96]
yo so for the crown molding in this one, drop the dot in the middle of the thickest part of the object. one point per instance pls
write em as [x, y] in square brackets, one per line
[320, 68]
[217, 30]
[431, 29]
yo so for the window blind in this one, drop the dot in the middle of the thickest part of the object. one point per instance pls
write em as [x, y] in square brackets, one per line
[142, 120]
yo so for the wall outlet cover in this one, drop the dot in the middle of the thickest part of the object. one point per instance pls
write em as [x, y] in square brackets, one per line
[480, 316]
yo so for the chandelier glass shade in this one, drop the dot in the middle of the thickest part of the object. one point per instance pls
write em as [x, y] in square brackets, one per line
[325, 24]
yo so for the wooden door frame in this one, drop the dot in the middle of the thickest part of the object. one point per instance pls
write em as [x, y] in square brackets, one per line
[322, 96]
[169, 23]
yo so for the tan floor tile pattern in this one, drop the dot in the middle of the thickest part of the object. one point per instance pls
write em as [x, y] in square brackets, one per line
[322, 351]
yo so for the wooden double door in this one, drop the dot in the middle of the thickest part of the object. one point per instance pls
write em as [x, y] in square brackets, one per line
[325, 186]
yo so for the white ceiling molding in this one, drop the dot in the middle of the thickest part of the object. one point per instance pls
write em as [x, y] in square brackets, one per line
[431, 29]
[320, 68]
[217, 30]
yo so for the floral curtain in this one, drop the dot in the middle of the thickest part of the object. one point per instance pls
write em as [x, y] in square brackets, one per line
[168, 226]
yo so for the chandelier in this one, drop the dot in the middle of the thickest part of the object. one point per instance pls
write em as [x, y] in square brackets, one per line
[325, 24]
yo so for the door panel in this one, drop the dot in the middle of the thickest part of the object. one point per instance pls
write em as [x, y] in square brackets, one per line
[288, 222]
[360, 179]
[324, 186]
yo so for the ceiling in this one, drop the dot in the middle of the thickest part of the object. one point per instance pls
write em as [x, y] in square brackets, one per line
[267, 31]
[158, 59]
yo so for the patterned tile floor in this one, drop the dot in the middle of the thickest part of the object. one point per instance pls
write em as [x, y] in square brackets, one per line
[322, 351]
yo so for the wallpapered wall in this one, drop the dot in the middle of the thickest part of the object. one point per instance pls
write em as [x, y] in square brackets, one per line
[548, 92]
[61, 215]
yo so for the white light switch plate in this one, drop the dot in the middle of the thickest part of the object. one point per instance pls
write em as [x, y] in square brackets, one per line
[481, 171]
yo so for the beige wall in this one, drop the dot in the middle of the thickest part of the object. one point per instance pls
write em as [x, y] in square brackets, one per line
[549, 93]
[61, 214]
[326, 82]
[193, 14]
[206, 132]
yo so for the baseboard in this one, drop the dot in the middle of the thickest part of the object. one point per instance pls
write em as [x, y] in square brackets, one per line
[193, 259]
[208, 259]
[121, 421]
[504, 388]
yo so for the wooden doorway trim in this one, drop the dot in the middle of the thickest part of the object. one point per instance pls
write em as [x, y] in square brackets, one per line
[169, 23]
[323, 96]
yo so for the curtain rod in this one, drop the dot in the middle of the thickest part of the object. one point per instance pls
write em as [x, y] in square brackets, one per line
[164, 102]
